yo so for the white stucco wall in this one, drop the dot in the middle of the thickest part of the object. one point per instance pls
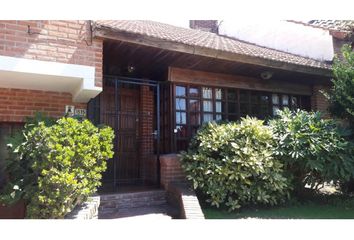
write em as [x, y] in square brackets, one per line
[282, 35]
[277, 34]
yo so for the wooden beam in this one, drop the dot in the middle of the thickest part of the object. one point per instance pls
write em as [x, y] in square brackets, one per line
[231, 81]
[114, 34]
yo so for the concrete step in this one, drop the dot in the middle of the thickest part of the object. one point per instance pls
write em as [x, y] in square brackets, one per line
[163, 211]
[132, 200]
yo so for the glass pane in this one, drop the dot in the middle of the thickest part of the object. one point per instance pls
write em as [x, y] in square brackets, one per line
[180, 104]
[181, 118]
[195, 118]
[244, 109]
[218, 107]
[194, 105]
[294, 102]
[285, 100]
[232, 107]
[218, 117]
[194, 92]
[264, 99]
[232, 94]
[254, 110]
[180, 91]
[263, 111]
[275, 110]
[218, 93]
[207, 117]
[254, 98]
[207, 106]
[275, 99]
[243, 96]
[207, 93]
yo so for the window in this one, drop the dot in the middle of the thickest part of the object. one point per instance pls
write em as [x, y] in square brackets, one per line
[181, 115]
[195, 105]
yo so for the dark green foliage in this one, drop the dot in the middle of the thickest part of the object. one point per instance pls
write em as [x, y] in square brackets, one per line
[341, 96]
[312, 149]
[233, 164]
[18, 167]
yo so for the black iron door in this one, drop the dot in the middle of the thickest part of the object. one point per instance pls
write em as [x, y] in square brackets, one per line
[130, 108]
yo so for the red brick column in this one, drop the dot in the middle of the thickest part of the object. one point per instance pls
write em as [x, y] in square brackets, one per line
[171, 170]
[147, 157]
[318, 100]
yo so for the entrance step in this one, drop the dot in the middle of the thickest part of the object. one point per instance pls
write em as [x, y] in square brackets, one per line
[133, 200]
[136, 204]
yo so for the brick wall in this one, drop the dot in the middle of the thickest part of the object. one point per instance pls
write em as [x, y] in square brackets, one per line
[16, 104]
[147, 157]
[318, 100]
[57, 41]
[171, 170]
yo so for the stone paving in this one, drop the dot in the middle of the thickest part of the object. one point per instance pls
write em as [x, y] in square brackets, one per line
[150, 204]
[149, 212]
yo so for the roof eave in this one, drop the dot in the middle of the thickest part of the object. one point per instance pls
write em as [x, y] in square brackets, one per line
[100, 31]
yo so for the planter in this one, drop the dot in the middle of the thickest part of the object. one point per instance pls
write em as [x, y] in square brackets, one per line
[14, 211]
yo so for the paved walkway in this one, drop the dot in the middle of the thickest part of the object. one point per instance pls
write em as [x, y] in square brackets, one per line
[149, 212]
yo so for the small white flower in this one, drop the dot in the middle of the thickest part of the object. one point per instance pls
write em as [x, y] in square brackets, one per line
[16, 187]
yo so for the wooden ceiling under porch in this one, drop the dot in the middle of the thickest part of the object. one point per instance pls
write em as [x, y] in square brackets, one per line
[140, 61]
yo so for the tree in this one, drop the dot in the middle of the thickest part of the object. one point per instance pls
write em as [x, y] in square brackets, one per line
[341, 96]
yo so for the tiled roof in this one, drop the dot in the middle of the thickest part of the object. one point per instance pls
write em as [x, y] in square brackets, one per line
[339, 25]
[209, 40]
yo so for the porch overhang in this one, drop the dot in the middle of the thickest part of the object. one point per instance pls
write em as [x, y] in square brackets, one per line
[104, 32]
[31, 74]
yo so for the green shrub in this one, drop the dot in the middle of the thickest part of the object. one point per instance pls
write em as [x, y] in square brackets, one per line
[17, 166]
[233, 164]
[312, 149]
[341, 95]
[64, 165]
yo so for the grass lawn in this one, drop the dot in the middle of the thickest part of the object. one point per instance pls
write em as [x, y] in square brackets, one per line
[332, 208]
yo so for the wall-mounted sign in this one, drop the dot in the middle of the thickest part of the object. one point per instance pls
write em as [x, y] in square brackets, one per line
[80, 112]
[69, 110]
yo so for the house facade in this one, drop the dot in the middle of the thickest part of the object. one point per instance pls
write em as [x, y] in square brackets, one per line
[153, 83]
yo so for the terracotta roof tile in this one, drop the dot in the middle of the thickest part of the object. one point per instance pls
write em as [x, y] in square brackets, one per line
[339, 25]
[209, 40]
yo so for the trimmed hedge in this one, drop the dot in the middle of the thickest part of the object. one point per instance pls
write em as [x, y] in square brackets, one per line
[233, 164]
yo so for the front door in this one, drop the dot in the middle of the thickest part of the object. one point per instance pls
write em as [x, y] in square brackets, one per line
[128, 135]
[120, 110]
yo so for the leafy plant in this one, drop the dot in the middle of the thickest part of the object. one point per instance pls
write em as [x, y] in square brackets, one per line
[233, 164]
[341, 96]
[61, 164]
[313, 149]
[18, 167]
[68, 159]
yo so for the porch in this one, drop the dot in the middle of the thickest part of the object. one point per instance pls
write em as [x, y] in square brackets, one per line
[155, 99]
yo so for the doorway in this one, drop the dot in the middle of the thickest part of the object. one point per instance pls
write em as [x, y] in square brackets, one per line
[130, 107]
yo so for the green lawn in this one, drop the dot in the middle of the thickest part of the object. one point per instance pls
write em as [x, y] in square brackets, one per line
[330, 209]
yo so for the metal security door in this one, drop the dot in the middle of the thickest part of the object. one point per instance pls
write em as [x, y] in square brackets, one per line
[122, 106]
